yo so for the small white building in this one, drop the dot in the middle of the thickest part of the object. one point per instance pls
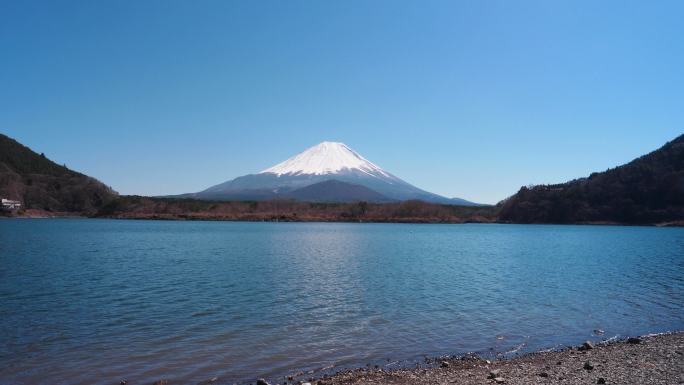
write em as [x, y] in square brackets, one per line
[10, 204]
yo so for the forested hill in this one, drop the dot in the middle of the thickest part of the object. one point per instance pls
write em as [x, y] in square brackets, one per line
[42, 184]
[647, 190]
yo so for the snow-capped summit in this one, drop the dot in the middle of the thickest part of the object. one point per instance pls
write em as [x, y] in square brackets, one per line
[326, 158]
[326, 172]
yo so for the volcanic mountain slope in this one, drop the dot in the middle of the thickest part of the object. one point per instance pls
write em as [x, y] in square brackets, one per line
[335, 191]
[323, 162]
[649, 189]
[41, 184]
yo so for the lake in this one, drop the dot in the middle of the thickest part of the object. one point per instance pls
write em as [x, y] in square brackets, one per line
[97, 301]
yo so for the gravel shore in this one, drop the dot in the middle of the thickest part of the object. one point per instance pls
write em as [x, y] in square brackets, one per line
[646, 360]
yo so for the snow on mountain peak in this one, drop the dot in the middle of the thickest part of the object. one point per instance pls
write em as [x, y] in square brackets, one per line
[326, 158]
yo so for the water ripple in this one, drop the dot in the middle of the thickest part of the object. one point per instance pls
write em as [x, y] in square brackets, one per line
[91, 302]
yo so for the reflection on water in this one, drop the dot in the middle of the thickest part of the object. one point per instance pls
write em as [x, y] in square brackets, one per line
[94, 301]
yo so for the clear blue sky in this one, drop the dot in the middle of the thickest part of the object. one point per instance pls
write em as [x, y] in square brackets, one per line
[463, 98]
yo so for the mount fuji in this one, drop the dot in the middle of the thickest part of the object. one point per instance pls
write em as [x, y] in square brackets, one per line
[326, 172]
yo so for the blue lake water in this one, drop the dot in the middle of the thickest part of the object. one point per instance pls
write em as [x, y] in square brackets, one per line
[96, 301]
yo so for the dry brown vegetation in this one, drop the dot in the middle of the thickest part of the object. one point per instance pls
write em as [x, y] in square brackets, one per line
[136, 207]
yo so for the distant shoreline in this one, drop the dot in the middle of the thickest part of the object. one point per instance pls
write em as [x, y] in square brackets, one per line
[417, 221]
[414, 211]
[200, 218]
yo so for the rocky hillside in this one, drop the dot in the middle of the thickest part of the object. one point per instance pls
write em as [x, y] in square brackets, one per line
[647, 190]
[42, 184]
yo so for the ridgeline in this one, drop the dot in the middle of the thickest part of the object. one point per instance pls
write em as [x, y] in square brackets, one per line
[647, 190]
[44, 186]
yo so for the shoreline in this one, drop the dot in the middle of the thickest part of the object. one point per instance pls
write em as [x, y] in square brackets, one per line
[195, 218]
[649, 359]
[408, 221]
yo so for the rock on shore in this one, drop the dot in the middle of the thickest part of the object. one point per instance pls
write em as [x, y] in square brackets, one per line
[652, 360]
